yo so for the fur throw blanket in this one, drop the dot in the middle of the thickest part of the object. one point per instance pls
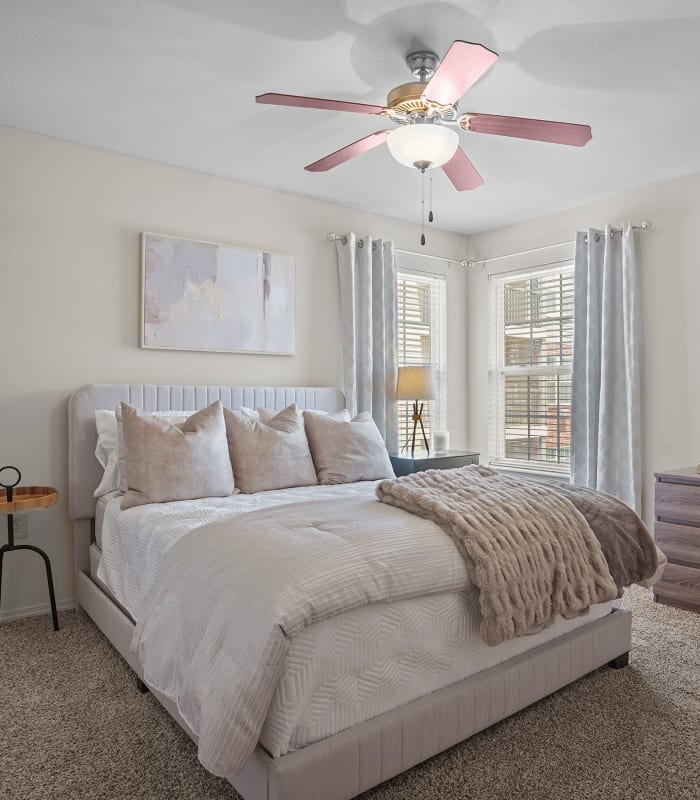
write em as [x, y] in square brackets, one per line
[533, 551]
[627, 545]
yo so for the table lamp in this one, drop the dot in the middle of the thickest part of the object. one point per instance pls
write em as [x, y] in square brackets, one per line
[416, 383]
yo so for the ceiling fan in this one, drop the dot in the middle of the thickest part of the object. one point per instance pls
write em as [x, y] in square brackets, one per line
[426, 111]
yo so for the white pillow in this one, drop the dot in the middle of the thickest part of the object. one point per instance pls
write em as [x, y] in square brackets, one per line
[107, 450]
[251, 413]
[339, 416]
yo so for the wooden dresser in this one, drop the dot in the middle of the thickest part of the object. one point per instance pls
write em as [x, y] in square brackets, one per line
[677, 533]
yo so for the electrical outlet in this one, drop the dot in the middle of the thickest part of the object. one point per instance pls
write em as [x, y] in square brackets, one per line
[20, 526]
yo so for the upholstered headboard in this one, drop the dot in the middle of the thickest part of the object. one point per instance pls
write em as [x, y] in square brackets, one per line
[84, 472]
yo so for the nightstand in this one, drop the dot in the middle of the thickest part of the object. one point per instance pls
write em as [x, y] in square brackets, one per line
[406, 463]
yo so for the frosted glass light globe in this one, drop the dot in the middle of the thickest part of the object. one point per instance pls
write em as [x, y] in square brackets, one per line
[423, 145]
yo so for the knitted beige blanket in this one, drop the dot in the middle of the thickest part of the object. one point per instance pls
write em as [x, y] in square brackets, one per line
[530, 553]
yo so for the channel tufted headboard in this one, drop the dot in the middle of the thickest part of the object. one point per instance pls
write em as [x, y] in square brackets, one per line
[84, 472]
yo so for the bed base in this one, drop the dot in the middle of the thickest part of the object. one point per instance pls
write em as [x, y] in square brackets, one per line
[355, 760]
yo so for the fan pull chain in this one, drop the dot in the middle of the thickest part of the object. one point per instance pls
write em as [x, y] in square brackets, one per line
[422, 207]
[430, 201]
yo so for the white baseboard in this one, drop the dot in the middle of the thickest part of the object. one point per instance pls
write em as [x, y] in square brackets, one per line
[33, 611]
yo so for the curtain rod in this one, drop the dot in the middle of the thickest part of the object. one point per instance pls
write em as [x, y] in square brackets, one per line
[333, 237]
[645, 225]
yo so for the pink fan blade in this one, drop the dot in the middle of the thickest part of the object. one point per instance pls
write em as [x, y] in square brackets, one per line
[463, 65]
[317, 102]
[348, 152]
[539, 129]
[463, 174]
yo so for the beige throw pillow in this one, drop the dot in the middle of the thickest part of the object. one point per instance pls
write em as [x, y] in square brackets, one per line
[170, 416]
[270, 454]
[184, 461]
[345, 452]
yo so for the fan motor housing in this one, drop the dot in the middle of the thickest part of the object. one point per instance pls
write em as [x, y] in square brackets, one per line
[406, 101]
[407, 97]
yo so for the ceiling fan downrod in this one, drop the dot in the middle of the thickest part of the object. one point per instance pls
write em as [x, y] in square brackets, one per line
[422, 64]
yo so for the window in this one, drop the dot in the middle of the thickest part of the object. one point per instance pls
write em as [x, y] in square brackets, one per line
[530, 362]
[421, 300]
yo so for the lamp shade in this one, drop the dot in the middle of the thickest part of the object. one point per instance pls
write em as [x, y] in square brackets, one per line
[422, 145]
[415, 383]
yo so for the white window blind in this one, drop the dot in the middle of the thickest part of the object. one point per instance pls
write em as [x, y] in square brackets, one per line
[530, 360]
[421, 300]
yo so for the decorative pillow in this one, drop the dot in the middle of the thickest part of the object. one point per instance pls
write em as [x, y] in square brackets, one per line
[184, 461]
[345, 452]
[174, 417]
[272, 454]
[108, 451]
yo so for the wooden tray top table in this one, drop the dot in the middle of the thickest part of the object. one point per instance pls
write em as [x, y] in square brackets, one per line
[16, 499]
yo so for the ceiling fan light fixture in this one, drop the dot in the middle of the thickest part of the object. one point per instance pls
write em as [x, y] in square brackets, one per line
[423, 144]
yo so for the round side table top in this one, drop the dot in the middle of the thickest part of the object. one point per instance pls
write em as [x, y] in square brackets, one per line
[27, 498]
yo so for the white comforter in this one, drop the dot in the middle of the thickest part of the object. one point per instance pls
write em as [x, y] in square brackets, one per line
[214, 632]
[134, 542]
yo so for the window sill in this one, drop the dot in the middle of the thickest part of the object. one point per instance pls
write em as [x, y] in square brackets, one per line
[541, 477]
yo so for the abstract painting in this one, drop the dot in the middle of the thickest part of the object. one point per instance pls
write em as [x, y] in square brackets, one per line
[206, 296]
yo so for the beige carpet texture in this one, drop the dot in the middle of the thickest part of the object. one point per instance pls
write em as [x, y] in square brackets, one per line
[74, 727]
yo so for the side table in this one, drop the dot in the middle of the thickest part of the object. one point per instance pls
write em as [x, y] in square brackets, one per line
[407, 463]
[16, 499]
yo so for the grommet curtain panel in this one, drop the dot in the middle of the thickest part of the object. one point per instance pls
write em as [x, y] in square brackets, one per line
[605, 412]
[367, 276]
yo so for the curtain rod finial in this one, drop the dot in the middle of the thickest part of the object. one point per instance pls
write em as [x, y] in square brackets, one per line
[646, 225]
[333, 237]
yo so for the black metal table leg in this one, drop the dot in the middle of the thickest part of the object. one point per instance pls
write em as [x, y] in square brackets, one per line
[2, 555]
[49, 577]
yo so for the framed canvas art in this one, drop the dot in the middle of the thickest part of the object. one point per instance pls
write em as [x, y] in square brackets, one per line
[207, 296]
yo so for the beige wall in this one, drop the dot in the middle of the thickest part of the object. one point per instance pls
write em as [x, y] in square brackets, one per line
[669, 265]
[70, 218]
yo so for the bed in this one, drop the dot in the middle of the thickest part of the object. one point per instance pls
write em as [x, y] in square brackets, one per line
[426, 682]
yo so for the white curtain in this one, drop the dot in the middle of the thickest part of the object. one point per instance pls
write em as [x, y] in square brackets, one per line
[605, 423]
[367, 274]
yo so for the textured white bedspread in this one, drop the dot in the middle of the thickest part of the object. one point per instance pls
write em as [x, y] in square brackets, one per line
[365, 662]
[215, 630]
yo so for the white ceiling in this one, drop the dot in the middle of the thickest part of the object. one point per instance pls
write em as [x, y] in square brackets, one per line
[175, 80]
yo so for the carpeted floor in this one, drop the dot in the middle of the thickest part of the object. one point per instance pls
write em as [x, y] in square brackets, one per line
[73, 727]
